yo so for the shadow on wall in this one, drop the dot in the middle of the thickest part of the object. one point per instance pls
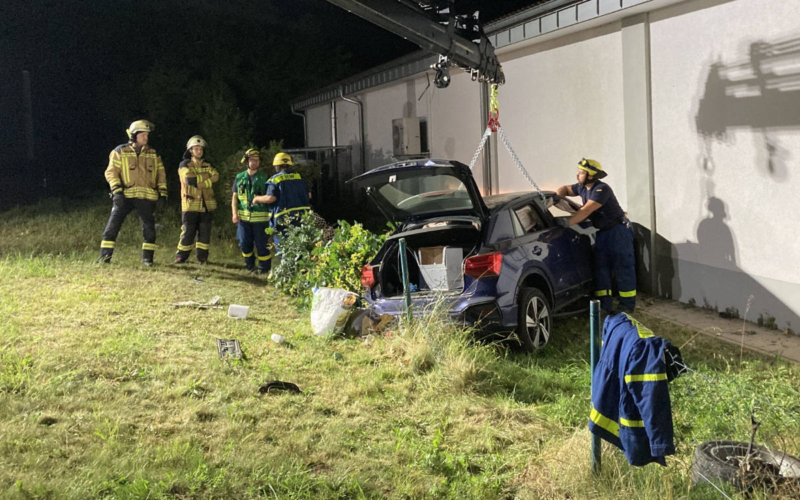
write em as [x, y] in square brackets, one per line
[761, 93]
[706, 272]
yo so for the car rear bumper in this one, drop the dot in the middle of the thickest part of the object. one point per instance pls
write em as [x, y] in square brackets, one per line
[477, 312]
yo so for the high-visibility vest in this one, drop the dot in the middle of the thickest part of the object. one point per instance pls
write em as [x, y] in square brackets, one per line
[245, 191]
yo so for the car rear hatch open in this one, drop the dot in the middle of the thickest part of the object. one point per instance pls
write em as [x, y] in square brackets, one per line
[423, 189]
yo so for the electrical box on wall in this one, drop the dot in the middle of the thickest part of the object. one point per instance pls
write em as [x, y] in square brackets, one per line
[405, 136]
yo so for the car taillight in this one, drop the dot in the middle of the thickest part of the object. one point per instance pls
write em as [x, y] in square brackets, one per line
[368, 276]
[481, 266]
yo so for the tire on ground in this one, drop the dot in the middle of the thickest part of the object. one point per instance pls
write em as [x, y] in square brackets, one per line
[719, 461]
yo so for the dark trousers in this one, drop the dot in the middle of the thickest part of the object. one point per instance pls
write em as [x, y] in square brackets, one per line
[254, 242]
[613, 254]
[146, 210]
[195, 225]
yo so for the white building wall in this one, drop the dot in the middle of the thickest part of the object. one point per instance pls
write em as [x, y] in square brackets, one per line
[726, 143]
[563, 102]
[318, 124]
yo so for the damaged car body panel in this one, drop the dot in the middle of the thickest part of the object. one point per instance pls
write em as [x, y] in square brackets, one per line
[501, 262]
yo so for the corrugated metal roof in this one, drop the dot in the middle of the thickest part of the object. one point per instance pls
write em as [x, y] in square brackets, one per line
[514, 13]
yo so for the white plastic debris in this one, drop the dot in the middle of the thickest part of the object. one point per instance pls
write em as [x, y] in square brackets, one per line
[330, 309]
[237, 312]
[278, 339]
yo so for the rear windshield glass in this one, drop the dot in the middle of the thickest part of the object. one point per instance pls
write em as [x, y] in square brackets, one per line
[431, 193]
[561, 209]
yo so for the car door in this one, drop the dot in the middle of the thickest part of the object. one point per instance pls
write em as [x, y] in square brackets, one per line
[582, 239]
[549, 246]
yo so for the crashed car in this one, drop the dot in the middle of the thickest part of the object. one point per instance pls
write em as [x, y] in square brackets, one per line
[502, 263]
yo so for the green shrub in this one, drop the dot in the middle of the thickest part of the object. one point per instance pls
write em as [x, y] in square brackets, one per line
[307, 261]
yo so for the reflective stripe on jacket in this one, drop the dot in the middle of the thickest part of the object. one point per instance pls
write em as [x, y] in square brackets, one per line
[137, 175]
[248, 211]
[630, 397]
[199, 198]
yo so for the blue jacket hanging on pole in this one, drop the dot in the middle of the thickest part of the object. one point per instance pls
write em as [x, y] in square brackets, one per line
[630, 398]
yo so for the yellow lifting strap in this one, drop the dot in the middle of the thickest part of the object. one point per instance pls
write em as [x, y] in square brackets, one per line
[494, 126]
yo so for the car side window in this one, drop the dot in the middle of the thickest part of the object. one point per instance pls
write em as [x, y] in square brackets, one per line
[529, 219]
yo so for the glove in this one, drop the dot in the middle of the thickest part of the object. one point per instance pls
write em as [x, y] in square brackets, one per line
[674, 362]
[161, 203]
[192, 181]
[118, 198]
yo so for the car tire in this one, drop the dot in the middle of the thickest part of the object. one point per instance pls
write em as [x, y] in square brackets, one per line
[719, 461]
[534, 319]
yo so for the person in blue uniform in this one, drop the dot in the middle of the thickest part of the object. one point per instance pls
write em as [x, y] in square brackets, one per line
[613, 248]
[287, 197]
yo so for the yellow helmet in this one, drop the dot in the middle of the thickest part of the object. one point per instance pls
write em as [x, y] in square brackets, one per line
[139, 126]
[282, 159]
[251, 152]
[593, 167]
[196, 141]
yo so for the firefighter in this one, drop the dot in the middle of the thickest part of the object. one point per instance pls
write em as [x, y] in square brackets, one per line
[613, 249]
[252, 218]
[197, 201]
[138, 182]
[287, 195]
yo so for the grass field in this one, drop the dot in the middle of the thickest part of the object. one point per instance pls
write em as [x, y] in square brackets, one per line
[106, 391]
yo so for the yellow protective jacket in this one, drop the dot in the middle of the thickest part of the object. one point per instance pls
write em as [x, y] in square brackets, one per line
[199, 198]
[136, 175]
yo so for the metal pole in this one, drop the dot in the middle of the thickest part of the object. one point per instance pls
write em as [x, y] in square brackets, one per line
[404, 271]
[487, 149]
[594, 343]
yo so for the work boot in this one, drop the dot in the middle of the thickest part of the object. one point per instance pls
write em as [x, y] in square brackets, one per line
[179, 260]
[103, 259]
[147, 262]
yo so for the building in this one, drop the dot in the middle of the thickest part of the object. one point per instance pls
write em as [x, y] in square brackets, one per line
[693, 107]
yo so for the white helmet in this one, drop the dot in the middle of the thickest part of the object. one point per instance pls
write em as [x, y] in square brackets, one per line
[196, 141]
[140, 126]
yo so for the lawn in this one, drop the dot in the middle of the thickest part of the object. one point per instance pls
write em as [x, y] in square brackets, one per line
[107, 391]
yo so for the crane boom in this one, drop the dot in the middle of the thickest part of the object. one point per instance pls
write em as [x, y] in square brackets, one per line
[437, 27]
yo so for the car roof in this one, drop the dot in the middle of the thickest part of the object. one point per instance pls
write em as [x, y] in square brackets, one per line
[497, 200]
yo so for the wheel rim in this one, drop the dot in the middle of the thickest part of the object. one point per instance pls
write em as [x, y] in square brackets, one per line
[537, 319]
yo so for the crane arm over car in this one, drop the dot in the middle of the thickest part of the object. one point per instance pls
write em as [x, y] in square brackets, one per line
[438, 26]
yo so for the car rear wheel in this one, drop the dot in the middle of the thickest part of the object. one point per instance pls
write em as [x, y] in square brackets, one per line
[535, 319]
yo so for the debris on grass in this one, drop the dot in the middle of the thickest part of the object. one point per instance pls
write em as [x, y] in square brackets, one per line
[277, 385]
[229, 348]
[211, 304]
[236, 311]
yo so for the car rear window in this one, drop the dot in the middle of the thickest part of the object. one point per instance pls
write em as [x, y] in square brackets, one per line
[427, 194]
[561, 209]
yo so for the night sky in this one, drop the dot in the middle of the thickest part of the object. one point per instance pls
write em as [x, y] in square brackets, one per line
[96, 65]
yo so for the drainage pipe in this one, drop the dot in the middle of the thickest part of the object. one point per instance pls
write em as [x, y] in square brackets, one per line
[305, 127]
[361, 134]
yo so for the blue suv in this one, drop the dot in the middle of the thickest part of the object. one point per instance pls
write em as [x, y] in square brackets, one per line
[502, 263]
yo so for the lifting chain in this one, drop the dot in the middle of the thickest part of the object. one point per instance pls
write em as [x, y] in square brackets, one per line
[494, 126]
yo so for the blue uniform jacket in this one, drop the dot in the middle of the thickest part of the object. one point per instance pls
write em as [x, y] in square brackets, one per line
[292, 193]
[630, 397]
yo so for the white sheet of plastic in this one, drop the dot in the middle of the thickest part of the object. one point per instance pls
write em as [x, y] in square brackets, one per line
[330, 308]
